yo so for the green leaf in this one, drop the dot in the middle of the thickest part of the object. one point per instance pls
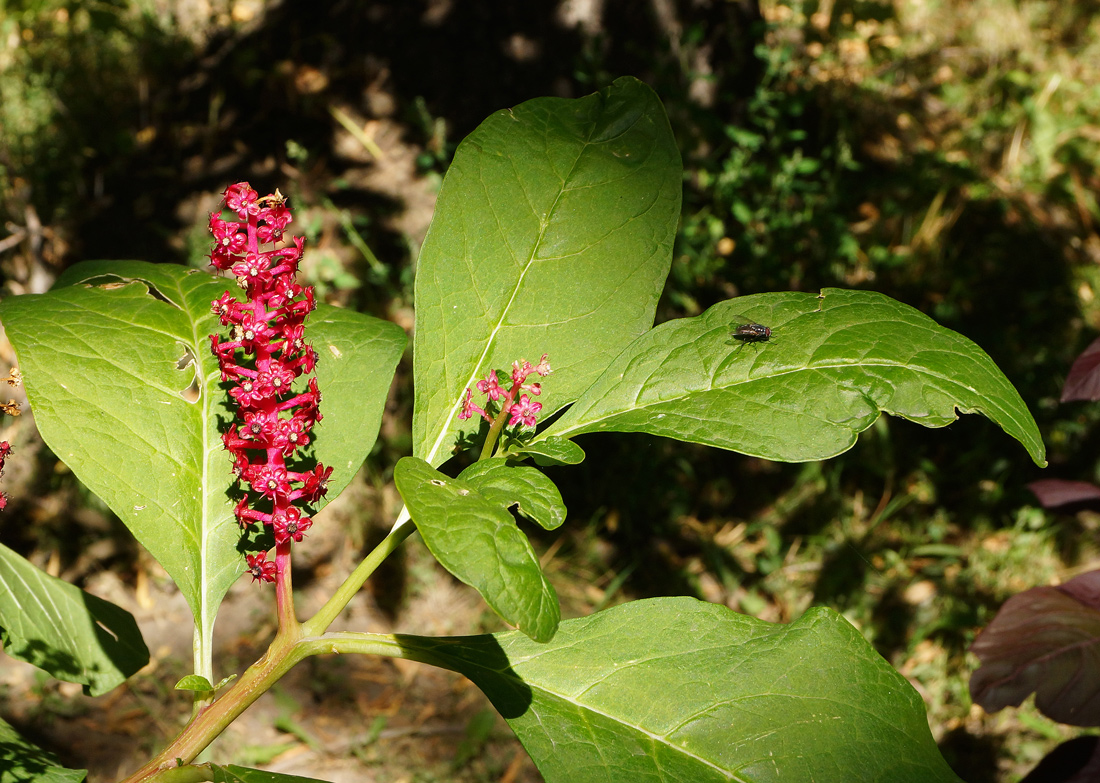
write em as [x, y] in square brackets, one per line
[834, 363]
[477, 540]
[22, 762]
[231, 773]
[552, 451]
[125, 390]
[195, 683]
[61, 629]
[529, 490]
[675, 689]
[552, 234]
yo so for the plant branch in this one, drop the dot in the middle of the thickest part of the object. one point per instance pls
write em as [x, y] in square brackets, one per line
[320, 622]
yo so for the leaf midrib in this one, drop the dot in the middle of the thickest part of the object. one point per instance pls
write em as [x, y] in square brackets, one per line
[491, 341]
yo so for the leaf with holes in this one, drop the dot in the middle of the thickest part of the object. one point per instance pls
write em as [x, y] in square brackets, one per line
[552, 234]
[678, 690]
[533, 495]
[833, 364]
[71, 634]
[124, 389]
[475, 538]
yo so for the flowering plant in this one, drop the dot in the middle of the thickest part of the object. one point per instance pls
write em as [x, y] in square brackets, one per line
[562, 253]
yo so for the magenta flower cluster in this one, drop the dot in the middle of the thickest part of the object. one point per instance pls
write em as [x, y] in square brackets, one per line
[263, 356]
[521, 411]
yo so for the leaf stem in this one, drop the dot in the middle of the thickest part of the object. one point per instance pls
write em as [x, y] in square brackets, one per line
[494, 431]
[316, 625]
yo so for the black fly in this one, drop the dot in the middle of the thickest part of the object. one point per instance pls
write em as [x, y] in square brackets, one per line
[751, 333]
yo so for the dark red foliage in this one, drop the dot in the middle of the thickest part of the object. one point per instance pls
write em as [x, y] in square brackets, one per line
[1083, 381]
[1066, 495]
[1046, 641]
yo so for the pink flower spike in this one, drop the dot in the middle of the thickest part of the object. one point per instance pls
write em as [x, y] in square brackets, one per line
[543, 367]
[262, 569]
[491, 386]
[524, 411]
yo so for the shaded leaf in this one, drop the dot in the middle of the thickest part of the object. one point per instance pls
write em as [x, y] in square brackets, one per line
[124, 389]
[22, 762]
[1083, 381]
[675, 689]
[534, 495]
[1074, 761]
[835, 362]
[478, 541]
[71, 634]
[1045, 641]
[552, 234]
[1060, 494]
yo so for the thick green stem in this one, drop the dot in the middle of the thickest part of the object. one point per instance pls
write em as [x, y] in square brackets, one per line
[284, 652]
[293, 642]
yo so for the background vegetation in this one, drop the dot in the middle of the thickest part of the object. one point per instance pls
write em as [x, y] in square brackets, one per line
[943, 152]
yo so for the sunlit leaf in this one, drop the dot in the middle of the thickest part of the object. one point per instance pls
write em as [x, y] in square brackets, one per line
[552, 234]
[124, 389]
[834, 363]
[22, 762]
[674, 689]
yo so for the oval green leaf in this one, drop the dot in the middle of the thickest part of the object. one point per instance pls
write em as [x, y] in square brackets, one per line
[476, 539]
[678, 690]
[124, 389]
[552, 234]
[834, 363]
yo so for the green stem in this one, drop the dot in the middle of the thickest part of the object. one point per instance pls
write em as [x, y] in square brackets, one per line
[494, 431]
[283, 654]
[293, 642]
[319, 623]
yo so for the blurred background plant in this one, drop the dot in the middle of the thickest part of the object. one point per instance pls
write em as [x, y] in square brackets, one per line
[943, 152]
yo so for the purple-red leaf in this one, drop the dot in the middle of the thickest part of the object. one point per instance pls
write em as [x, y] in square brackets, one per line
[1083, 381]
[1045, 640]
[1059, 493]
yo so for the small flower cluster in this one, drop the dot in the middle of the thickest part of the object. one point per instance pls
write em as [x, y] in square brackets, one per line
[522, 411]
[5, 450]
[268, 326]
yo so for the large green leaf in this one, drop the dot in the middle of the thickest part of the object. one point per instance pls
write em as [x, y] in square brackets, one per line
[22, 762]
[59, 628]
[475, 538]
[675, 689]
[834, 363]
[124, 389]
[552, 234]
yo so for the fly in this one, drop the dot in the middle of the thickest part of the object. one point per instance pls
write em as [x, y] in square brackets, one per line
[751, 333]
